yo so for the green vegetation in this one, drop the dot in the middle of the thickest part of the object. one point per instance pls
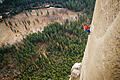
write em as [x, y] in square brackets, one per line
[26, 13]
[5, 23]
[67, 21]
[30, 13]
[24, 22]
[25, 27]
[36, 20]
[28, 21]
[47, 14]
[41, 12]
[53, 13]
[17, 6]
[63, 45]
[11, 28]
[46, 55]
[16, 24]
[9, 22]
[37, 13]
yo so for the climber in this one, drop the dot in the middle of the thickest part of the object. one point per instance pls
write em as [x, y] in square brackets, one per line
[87, 29]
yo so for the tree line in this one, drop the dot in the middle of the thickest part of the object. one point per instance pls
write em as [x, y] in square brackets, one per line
[17, 6]
[65, 46]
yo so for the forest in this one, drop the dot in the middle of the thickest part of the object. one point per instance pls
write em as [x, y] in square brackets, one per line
[46, 55]
[13, 7]
[50, 54]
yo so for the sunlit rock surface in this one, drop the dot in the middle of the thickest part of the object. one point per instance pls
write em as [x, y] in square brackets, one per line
[101, 59]
[75, 71]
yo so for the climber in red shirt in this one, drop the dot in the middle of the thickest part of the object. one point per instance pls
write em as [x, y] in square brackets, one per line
[87, 29]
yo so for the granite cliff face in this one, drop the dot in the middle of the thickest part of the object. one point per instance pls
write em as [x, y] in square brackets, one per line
[101, 59]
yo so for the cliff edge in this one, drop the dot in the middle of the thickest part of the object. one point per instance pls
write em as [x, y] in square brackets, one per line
[101, 59]
[102, 55]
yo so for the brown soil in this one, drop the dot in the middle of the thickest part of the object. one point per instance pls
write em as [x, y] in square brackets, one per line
[7, 36]
[43, 48]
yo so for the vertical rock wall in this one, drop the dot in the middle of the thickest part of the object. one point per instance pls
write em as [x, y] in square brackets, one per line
[102, 55]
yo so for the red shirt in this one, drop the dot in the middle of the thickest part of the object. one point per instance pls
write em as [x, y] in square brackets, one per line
[86, 27]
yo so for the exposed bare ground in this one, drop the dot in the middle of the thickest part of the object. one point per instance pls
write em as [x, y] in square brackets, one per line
[34, 21]
[42, 48]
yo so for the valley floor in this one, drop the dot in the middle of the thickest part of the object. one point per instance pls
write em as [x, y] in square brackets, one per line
[13, 30]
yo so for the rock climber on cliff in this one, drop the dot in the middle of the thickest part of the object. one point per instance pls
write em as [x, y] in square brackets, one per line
[87, 29]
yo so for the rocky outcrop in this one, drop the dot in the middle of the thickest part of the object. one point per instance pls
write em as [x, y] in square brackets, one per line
[101, 59]
[75, 71]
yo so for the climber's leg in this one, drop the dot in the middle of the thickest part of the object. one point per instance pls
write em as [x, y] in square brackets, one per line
[88, 31]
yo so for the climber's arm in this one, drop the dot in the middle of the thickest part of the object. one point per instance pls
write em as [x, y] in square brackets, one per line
[89, 26]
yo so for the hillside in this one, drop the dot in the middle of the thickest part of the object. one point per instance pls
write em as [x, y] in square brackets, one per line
[13, 30]
[101, 59]
[46, 55]
[41, 42]
[22, 17]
